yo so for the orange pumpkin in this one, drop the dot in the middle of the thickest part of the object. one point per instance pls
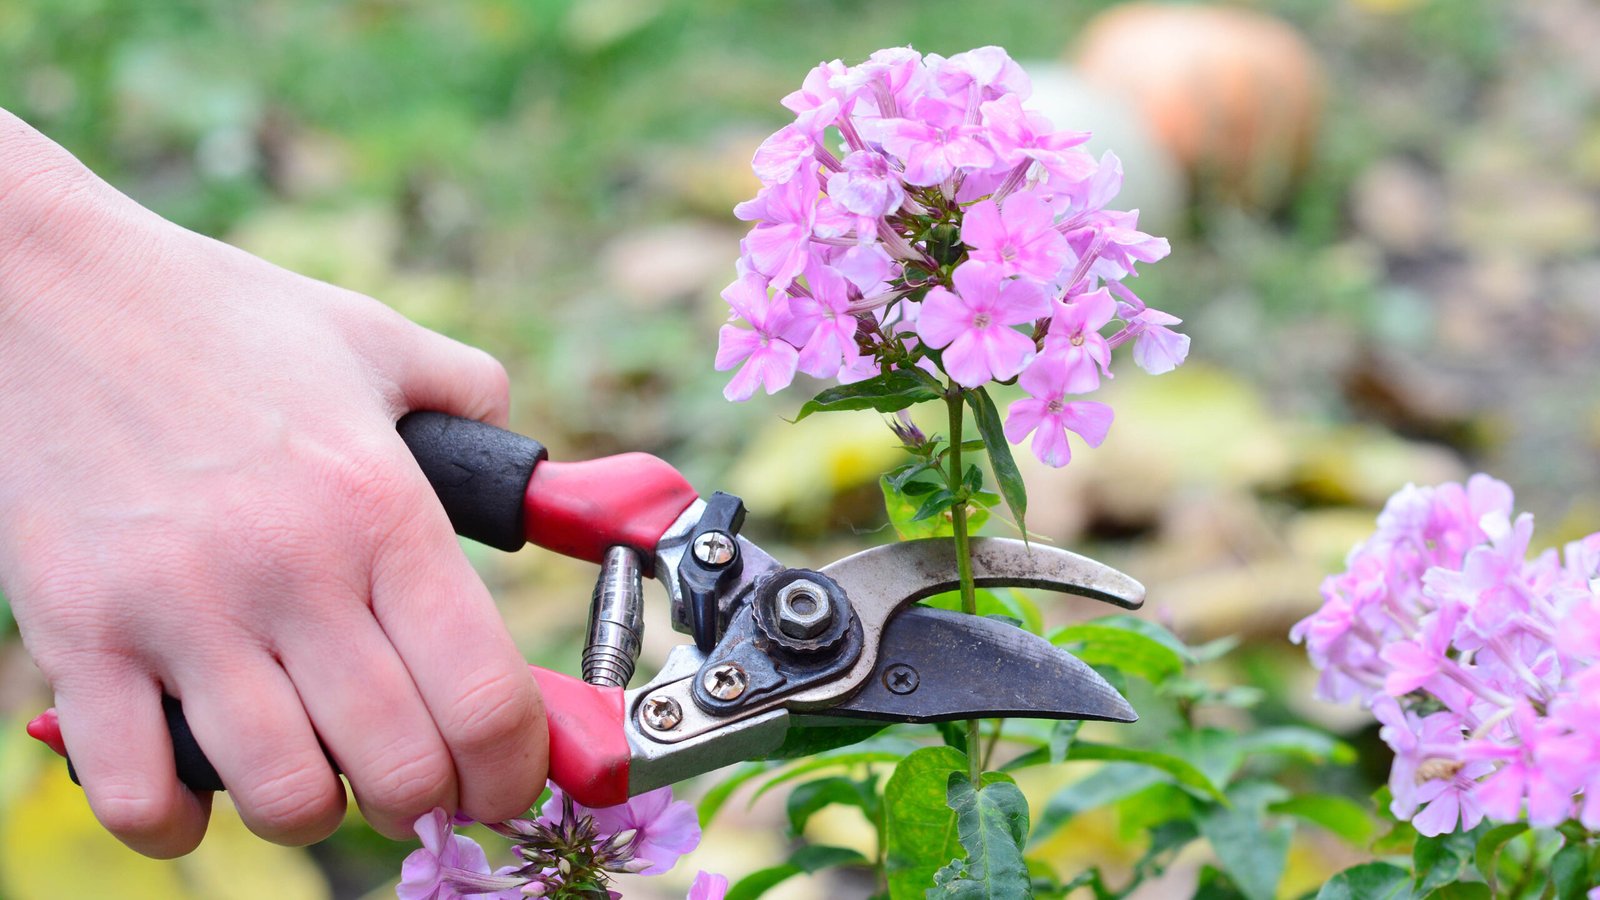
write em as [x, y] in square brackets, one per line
[1235, 95]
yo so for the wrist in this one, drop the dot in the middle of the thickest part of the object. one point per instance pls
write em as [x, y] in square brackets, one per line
[58, 221]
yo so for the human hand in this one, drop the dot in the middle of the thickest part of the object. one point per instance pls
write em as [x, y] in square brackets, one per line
[204, 496]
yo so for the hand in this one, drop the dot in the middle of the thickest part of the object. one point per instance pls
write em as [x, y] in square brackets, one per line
[203, 494]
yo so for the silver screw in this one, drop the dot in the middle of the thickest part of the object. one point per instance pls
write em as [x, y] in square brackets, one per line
[803, 610]
[714, 548]
[662, 713]
[725, 682]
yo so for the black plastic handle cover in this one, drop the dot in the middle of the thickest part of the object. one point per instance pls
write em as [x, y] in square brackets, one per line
[480, 473]
[194, 770]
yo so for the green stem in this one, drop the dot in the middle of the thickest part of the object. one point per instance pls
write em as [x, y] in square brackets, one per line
[958, 519]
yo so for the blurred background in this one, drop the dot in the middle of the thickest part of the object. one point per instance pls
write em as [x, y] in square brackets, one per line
[1384, 217]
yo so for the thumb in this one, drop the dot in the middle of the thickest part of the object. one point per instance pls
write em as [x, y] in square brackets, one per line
[445, 375]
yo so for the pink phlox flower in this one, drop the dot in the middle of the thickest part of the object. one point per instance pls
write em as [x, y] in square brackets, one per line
[768, 360]
[1074, 342]
[934, 141]
[1578, 638]
[1019, 237]
[974, 324]
[1119, 244]
[1416, 662]
[1577, 716]
[1157, 349]
[1447, 802]
[1528, 771]
[832, 340]
[781, 156]
[1018, 135]
[988, 71]
[708, 886]
[867, 185]
[889, 81]
[1091, 194]
[818, 89]
[867, 266]
[1048, 415]
[424, 874]
[664, 828]
[1582, 559]
[785, 214]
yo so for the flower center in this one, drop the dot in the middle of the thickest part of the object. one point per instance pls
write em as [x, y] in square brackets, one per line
[1054, 406]
[1077, 340]
[981, 320]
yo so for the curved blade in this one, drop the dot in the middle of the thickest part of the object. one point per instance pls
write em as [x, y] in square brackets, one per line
[935, 665]
[895, 574]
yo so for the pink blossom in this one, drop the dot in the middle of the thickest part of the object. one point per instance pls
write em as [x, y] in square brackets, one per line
[974, 324]
[1018, 135]
[934, 141]
[989, 71]
[768, 361]
[831, 340]
[780, 156]
[1020, 238]
[1074, 343]
[784, 214]
[1049, 416]
[664, 829]
[866, 185]
[424, 874]
[708, 887]
[1156, 348]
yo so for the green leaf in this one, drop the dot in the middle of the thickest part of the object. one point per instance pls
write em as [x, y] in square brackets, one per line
[1340, 815]
[1214, 751]
[992, 822]
[935, 503]
[884, 748]
[1182, 771]
[1569, 872]
[1485, 857]
[1061, 738]
[808, 798]
[1252, 855]
[1109, 644]
[884, 393]
[1462, 890]
[1440, 860]
[6, 619]
[1308, 744]
[920, 834]
[1005, 468]
[808, 859]
[1370, 881]
[1108, 784]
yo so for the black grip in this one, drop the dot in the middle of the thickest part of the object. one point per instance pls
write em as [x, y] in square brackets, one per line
[194, 769]
[480, 473]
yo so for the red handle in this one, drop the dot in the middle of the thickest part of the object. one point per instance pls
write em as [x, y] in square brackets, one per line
[589, 751]
[581, 509]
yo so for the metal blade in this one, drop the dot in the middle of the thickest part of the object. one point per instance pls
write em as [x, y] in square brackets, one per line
[901, 573]
[935, 665]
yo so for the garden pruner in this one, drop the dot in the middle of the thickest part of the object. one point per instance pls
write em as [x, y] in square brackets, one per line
[772, 646]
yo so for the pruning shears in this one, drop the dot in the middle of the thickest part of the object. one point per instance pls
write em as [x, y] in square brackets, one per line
[772, 646]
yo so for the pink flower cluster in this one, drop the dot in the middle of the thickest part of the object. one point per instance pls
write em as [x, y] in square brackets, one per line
[1479, 661]
[954, 230]
[564, 851]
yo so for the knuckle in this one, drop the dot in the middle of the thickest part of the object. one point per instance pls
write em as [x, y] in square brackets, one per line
[498, 709]
[409, 786]
[302, 803]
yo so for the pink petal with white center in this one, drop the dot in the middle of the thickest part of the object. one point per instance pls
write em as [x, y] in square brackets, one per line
[943, 317]
[1159, 350]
